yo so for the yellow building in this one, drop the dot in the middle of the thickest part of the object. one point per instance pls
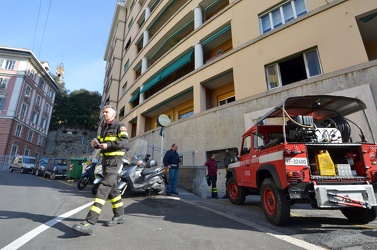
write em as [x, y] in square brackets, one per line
[199, 59]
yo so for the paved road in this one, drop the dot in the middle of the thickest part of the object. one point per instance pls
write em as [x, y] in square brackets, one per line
[37, 213]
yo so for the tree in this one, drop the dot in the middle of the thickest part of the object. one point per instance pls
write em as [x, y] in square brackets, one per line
[79, 109]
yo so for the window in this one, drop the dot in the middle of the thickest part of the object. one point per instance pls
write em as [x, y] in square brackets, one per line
[27, 151]
[126, 65]
[43, 123]
[34, 117]
[18, 130]
[132, 5]
[23, 109]
[3, 83]
[294, 69]
[41, 83]
[7, 64]
[2, 102]
[121, 113]
[246, 145]
[47, 108]
[31, 73]
[124, 88]
[50, 93]
[258, 141]
[130, 23]
[40, 140]
[14, 150]
[282, 14]
[38, 102]
[227, 100]
[128, 44]
[28, 91]
[186, 113]
[30, 135]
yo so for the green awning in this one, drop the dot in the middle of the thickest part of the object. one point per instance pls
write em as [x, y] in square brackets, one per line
[177, 64]
[185, 59]
[134, 96]
[216, 34]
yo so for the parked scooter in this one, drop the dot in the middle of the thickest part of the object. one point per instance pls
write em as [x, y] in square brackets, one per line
[87, 177]
[143, 176]
[137, 173]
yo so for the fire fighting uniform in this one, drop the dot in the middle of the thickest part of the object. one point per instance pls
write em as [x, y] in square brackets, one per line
[212, 175]
[227, 161]
[115, 135]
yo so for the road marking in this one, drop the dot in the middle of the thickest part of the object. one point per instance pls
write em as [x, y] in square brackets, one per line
[30, 235]
[269, 231]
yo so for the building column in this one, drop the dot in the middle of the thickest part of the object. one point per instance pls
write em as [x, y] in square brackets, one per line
[198, 53]
[140, 128]
[147, 13]
[198, 16]
[200, 101]
[141, 95]
[144, 64]
[145, 38]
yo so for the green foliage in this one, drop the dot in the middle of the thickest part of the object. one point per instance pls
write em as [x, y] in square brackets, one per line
[78, 109]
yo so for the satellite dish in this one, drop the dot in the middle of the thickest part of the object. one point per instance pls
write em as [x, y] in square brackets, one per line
[163, 120]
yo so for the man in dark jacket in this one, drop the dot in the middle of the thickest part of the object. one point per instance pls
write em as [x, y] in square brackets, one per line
[112, 140]
[171, 161]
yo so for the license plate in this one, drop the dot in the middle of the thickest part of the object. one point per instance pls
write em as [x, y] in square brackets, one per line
[296, 161]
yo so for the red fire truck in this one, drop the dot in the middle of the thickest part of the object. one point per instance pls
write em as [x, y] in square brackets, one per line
[311, 149]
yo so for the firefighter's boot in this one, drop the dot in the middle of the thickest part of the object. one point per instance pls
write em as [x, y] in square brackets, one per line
[83, 227]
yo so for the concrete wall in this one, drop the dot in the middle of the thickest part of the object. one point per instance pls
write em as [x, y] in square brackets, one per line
[222, 127]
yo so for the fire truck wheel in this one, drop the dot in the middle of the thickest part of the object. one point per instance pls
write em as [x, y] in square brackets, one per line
[237, 194]
[275, 205]
[359, 215]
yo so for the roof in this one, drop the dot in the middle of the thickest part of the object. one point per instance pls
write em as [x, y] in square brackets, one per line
[317, 106]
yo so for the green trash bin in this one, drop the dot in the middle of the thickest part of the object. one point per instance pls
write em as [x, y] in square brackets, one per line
[74, 168]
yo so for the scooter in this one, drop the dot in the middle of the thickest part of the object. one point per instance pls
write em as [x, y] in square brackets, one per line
[87, 177]
[137, 173]
[143, 176]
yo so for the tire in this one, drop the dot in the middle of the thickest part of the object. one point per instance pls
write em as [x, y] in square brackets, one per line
[359, 215]
[83, 182]
[10, 169]
[52, 176]
[237, 194]
[163, 188]
[275, 205]
[95, 188]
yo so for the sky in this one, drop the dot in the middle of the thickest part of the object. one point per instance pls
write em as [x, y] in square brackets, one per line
[69, 32]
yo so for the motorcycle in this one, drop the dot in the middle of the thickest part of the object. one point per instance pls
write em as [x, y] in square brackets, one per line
[87, 177]
[137, 173]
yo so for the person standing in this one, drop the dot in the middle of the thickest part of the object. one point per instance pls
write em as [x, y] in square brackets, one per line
[171, 161]
[112, 140]
[227, 161]
[212, 174]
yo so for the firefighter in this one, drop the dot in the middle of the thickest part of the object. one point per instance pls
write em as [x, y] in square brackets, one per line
[112, 140]
[212, 174]
[227, 161]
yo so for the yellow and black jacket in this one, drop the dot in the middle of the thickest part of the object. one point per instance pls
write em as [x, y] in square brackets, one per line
[116, 137]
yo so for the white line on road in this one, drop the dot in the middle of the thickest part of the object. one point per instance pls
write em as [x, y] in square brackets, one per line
[286, 238]
[30, 235]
